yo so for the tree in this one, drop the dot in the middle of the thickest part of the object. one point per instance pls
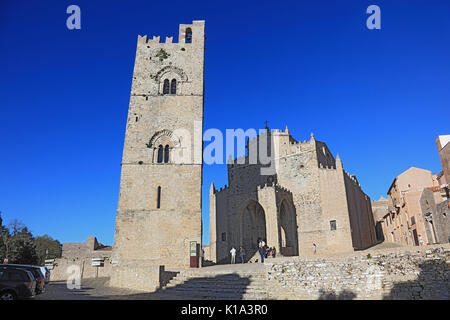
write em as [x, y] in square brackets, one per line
[21, 246]
[4, 237]
[47, 248]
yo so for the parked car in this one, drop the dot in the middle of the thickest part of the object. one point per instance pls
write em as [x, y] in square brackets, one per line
[46, 273]
[35, 270]
[16, 284]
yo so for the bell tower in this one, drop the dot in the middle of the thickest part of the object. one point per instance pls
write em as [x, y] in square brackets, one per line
[160, 206]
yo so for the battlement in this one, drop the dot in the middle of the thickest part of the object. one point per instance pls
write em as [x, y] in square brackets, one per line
[188, 34]
[273, 185]
[353, 178]
[321, 166]
[225, 188]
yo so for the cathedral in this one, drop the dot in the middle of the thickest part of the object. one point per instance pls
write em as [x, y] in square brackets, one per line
[308, 199]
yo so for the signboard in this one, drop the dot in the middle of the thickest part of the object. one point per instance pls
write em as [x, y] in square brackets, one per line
[193, 252]
[97, 262]
[193, 247]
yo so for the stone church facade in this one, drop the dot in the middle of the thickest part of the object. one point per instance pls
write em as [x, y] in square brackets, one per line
[309, 199]
[160, 205]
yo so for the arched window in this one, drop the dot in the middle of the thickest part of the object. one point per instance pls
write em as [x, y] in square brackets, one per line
[166, 154]
[160, 154]
[166, 86]
[188, 35]
[173, 86]
[158, 198]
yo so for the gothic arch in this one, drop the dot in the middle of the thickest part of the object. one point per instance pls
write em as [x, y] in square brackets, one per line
[252, 225]
[288, 232]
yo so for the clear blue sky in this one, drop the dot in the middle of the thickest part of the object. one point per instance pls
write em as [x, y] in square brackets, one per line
[379, 98]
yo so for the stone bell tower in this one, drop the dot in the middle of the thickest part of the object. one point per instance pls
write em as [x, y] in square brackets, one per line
[159, 210]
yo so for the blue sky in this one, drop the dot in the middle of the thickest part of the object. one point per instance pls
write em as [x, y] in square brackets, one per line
[379, 98]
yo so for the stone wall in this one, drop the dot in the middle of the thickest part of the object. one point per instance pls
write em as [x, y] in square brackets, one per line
[360, 213]
[81, 255]
[443, 146]
[63, 268]
[436, 214]
[137, 275]
[412, 274]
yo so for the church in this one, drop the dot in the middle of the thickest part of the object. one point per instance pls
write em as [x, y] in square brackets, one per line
[308, 199]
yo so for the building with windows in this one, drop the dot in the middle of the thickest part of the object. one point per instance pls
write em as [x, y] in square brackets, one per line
[307, 199]
[404, 223]
[434, 201]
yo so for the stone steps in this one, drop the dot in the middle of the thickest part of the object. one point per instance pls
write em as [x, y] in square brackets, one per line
[219, 284]
[210, 284]
[215, 294]
[194, 289]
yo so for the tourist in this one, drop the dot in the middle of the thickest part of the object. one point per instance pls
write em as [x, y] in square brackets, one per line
[242, 254]
[233, 255]
[420, 240]
[268, 251]
[314, 248]
[262, 253]
[274, 252]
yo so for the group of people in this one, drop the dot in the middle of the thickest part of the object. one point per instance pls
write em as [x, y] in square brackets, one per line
[263, 249]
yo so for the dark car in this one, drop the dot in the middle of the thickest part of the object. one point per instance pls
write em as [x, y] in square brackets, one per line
[16, 284]
[35, 270]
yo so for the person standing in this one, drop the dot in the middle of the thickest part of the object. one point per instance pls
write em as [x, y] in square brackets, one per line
[420, 240]
[262, 249]
[274, 252]
[314, 248]
[242, 254]
[233, 255]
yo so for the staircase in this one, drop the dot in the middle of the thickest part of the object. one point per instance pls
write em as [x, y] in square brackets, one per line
[222, 282]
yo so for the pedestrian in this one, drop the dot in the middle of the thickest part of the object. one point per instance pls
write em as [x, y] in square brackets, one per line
[233, 255]
[420, 240]
[314, 248]
[262, 253]
[274, 252]
[242, 253]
